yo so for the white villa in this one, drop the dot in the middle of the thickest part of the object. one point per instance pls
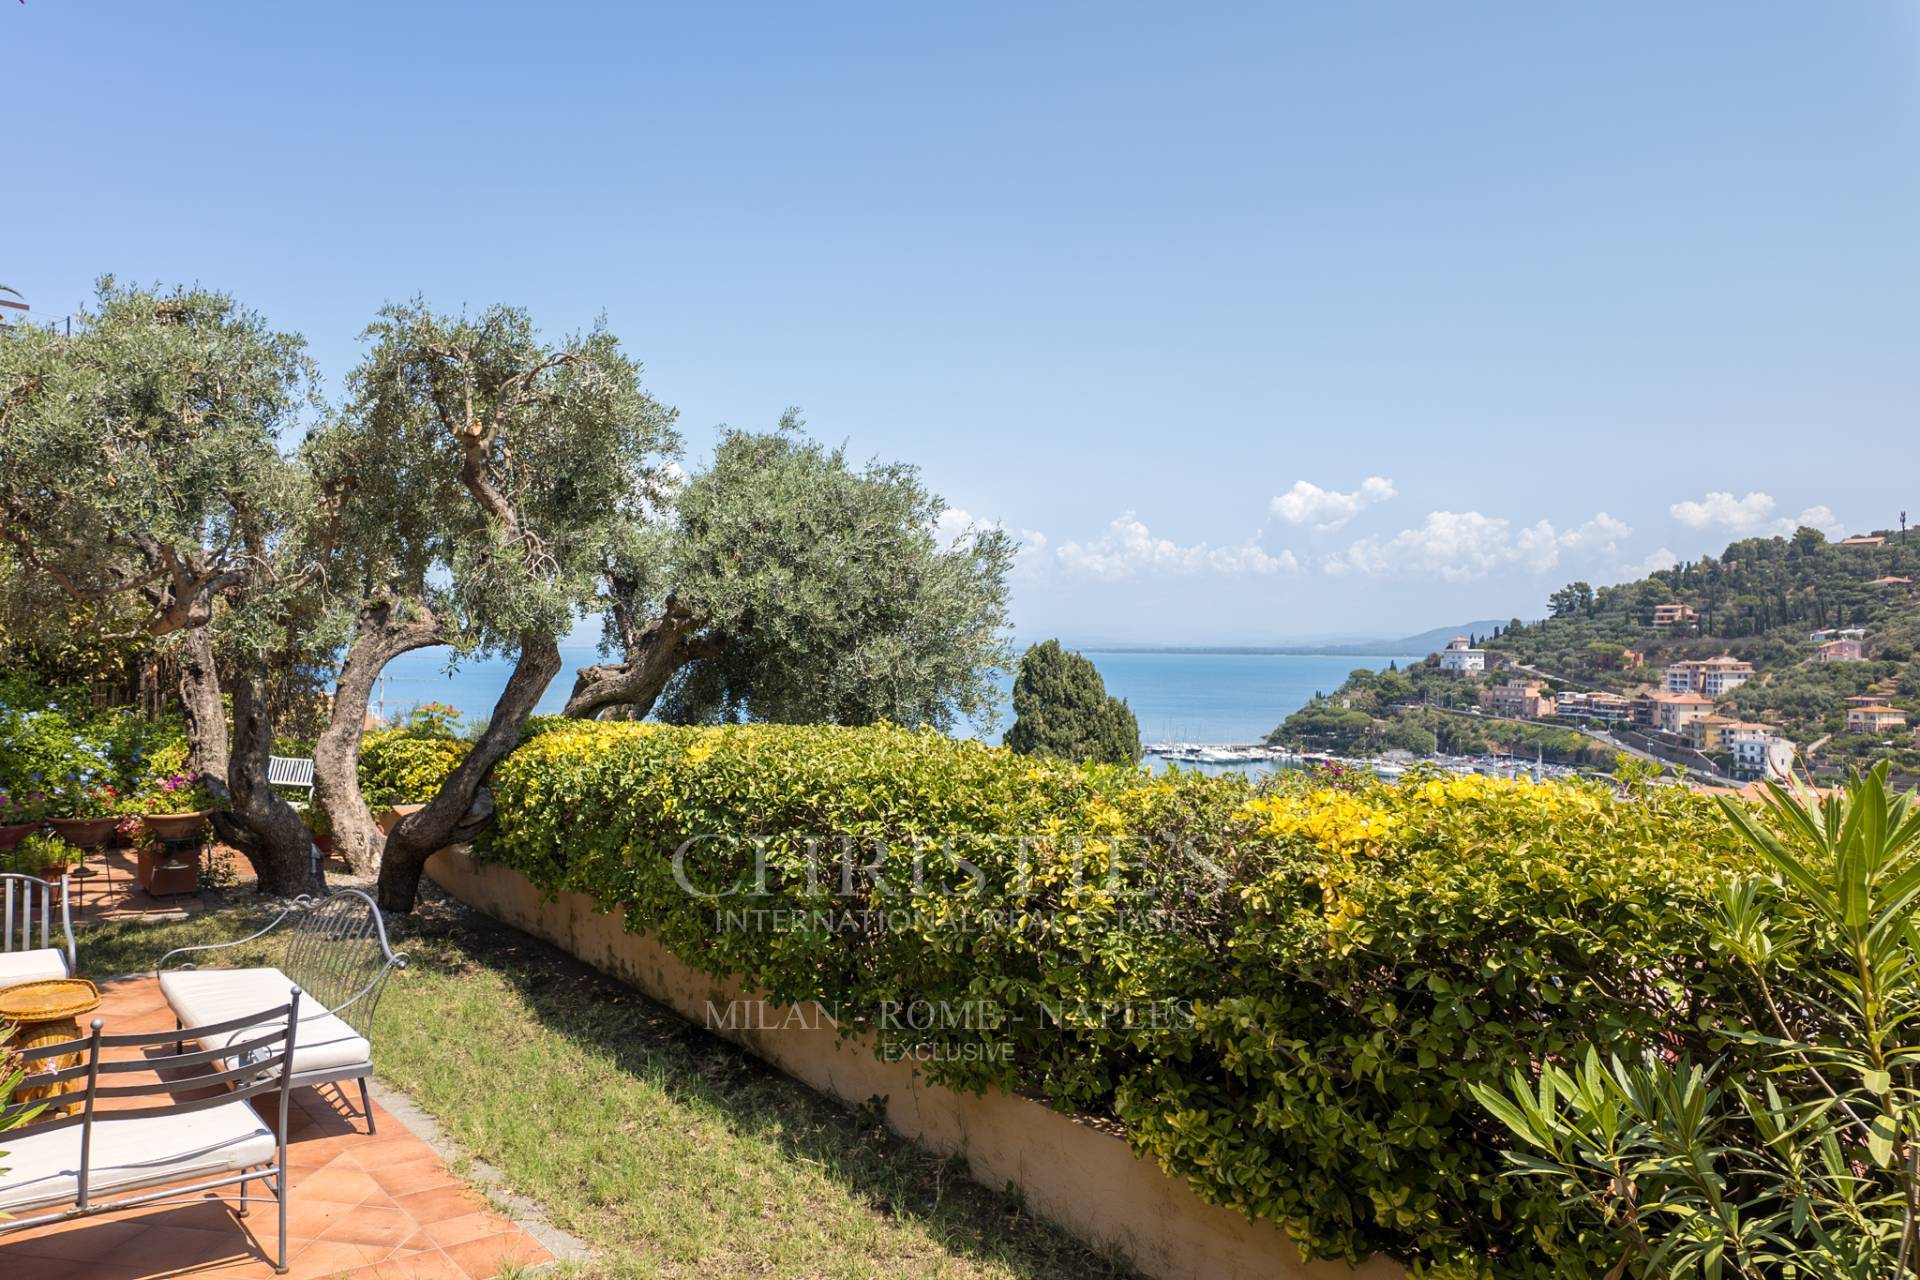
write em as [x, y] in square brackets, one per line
[1460, 655]
[1711, 676]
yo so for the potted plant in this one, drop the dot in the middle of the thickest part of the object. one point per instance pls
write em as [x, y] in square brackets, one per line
[21, 814]
[173, 807]
[48, 857]
[321, 826]
[90, 812]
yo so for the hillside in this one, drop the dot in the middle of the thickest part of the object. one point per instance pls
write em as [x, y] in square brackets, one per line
[1758, 602]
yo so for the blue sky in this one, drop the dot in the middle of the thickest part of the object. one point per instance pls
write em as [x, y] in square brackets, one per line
[1255, 322]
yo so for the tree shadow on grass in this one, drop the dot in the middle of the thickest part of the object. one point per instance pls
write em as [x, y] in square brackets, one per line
[892, 1176]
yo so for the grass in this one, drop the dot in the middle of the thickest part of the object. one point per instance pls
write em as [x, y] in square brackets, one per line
[669, 1152]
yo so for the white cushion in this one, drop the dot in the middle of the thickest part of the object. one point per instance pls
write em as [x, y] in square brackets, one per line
[44, 1168]
[17, 967]
[201, 997]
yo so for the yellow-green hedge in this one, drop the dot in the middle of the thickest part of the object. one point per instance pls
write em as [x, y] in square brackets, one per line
[1282, 993]
[403, 766]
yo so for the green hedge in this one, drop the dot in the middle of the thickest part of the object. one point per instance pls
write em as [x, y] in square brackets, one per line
[1281, 993]
[406, 766]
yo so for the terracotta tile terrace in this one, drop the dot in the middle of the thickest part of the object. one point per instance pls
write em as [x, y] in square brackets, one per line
[368, 1207]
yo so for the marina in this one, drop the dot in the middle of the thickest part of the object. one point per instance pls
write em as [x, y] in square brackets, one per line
[1258, 757]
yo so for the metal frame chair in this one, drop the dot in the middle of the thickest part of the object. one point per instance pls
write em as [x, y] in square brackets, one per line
[337, 952]
[18, 936]
[258, 1066]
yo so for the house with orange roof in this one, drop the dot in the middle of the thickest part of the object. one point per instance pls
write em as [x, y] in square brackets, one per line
[1711, 676]
[1673, 712]
[1841, 651]
[1673, 615]
[1527, 698]
[1875, 719]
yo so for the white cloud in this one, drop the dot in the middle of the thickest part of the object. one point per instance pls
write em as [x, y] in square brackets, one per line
[1821, 518]
[1460, 545]
[1750, 515]
[1603, 534]
[1308, 503]
[1739, 515]
[1129, 547]
[1652, 562]
[956, 527]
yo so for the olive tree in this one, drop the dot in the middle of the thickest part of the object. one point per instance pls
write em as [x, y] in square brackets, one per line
[480, 473]
[791, 586]
[140, 468]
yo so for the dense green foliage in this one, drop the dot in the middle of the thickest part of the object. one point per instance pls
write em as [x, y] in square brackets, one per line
[1426, 710]
[62, 757]
[407, 766]
[1804, 1163]
[480, 486]
[1760, 601]
[1284, 994]
[1061, 708]
[476, 446]
[818, 592]
[140, 459]
[38, 853]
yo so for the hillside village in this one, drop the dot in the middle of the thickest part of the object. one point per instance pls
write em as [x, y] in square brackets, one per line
[1782, 654]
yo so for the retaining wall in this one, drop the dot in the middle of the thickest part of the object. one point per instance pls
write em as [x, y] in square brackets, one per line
[1086, 1180]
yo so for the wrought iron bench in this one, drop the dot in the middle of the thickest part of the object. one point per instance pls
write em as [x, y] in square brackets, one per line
[20, 960]
[336, 951]
[89, 1159]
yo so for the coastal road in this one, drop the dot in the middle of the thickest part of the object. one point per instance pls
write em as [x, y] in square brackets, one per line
[1598, 735]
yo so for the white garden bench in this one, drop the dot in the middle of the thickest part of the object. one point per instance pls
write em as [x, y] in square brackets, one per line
[86, 1159]
[293, 772]
[336, 952]
[29, 899]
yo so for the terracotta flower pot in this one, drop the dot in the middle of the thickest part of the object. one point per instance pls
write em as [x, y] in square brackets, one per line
[14, 832]
[175, 826]
[324, 843]
[88, 833]
[388, 819]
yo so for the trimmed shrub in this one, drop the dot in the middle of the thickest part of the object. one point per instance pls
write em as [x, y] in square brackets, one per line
[405, 766]
[1282, 992]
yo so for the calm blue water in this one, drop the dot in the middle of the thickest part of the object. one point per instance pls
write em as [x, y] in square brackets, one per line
[1177, 697]
[1221, 697]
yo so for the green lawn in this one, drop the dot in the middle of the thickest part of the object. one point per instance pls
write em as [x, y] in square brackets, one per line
[669, 1152]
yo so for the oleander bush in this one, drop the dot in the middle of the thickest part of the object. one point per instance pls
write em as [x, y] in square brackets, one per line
[1284, 993]
[1799, 1160]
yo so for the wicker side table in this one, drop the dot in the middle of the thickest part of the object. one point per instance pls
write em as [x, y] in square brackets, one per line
[44, 1013]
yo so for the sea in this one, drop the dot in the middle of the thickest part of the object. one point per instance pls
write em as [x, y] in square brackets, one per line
[1186, 696]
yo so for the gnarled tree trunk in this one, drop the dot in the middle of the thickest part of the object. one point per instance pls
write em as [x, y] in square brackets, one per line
[654, 652]
[462, 806]
[199, 684]
[266, 828]
[378, 638]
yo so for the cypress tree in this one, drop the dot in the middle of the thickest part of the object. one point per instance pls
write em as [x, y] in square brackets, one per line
[1061, 708]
